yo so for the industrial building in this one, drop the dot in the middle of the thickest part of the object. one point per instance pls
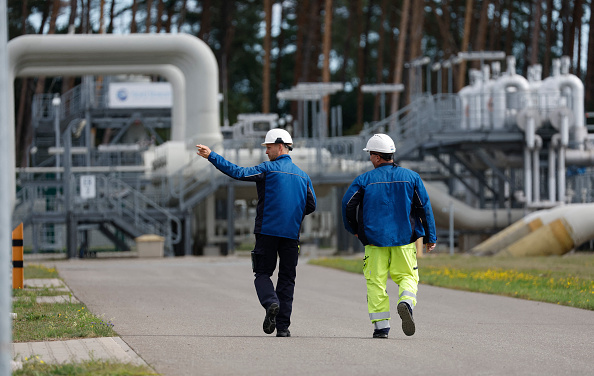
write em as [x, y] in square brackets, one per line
[504, 151]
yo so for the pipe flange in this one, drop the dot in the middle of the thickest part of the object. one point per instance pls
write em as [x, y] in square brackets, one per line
[557, 115]
[526, 114]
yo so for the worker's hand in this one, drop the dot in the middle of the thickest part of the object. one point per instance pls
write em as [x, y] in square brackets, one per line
[430, 247]
[203, 151]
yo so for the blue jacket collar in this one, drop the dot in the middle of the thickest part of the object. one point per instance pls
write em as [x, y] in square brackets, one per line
[283, 156]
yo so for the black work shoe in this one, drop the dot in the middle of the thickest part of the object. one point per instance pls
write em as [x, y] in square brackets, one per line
[270, 319]
[283, 333]
[408, 324]
[381, 333]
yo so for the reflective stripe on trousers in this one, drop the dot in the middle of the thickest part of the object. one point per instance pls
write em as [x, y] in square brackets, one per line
[401, 263]
[410, 302]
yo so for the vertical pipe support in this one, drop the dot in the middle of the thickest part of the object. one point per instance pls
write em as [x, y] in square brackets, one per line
[536, 169]
[451, 210]
[527, 176]
[551, 176]
[561, 158]
[530, 140]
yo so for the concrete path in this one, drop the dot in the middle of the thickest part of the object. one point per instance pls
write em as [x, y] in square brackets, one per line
[194, 316]
[76, 350]
[53, 284]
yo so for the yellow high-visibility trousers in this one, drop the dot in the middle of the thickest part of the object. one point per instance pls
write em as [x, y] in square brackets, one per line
[401, 263]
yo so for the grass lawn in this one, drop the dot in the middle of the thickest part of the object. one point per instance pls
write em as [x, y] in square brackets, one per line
[566, 280]
[61, 321]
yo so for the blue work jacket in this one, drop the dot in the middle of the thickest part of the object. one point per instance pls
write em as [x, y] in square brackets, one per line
[285, 193]
[388, 207]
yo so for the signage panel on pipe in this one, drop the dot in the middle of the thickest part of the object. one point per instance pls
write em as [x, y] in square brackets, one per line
[140, 95]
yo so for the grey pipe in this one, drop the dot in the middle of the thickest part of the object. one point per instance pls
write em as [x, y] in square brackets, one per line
[97, 54]
[7, 192]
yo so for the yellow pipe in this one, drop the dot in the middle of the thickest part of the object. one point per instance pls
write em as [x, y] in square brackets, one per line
[552, 239]
[507, 237]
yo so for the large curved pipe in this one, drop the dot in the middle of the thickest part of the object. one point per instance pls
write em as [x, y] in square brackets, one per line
[467, 217]
[525, 227]
[572, 226]
[575, 87]
[98, 54]
[500, 89]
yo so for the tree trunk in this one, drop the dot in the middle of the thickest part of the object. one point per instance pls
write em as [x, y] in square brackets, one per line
[148, 20]
[537, 4]
[360, 64]
[327, 43]
[443, 25]
[416, 37]
[68, 81]
[72, 18]
[311, 43]
[480, 42]
[379, 68]
[44, 17]
[495, 33]
[133, 25]
[88, 27]
[399, 66]
[101, 17]
[227, 37]
[348, 40]
[590, 65]
[465, 42]
[279, 60]
[159, 15]
[576, 24]
[182, 15]
[509, 31]
[24, 111]
[111, 17]
[267, 49]
[205, 23]
[301, 11]
[546, 66]
[169, 12]
[391, 43]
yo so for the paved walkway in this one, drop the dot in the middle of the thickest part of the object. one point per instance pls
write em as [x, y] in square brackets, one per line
[192, 315]
[105, 348]
[76, 350]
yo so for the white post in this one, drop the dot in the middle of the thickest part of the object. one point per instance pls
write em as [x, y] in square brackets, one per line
[56, 102]
[5, 198]
[561, 159]
[527, 175]
[552, 188]
[536, 175]
[451, 209]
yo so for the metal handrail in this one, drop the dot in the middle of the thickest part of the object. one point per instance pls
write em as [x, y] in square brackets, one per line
[129, 202]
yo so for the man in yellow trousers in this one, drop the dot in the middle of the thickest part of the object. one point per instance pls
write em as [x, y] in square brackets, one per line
[388, 209]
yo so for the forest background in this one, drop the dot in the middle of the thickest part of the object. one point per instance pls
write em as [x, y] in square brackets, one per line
[264, 46]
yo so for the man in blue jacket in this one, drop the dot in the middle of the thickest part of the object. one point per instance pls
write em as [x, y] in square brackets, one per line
[388, 209]
[285, 197]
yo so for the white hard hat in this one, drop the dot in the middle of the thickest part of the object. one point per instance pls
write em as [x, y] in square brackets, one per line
[382, 143]
[278, 136]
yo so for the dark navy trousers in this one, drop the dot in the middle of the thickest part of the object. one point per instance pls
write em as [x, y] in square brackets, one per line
[264, 258]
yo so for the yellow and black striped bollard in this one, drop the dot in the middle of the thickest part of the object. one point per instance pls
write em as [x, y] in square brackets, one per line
[18, 274]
